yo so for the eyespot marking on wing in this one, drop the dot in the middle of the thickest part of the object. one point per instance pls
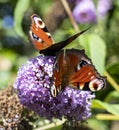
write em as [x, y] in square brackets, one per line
[36, 38]
[80, 65]
[39, 22]
[96, 84]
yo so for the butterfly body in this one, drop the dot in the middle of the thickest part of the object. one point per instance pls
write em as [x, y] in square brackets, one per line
[65, 66]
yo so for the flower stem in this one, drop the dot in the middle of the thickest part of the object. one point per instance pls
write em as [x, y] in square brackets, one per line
[112, 81]
[107, 117]
[68, 10]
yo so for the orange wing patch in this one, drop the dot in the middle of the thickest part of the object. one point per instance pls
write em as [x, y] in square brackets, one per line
[39, 35]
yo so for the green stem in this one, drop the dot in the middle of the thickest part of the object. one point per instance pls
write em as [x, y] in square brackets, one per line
[68, 10]
[107, 117]
[111, 81]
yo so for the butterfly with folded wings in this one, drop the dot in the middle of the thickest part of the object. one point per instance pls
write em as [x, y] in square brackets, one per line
[72, 67]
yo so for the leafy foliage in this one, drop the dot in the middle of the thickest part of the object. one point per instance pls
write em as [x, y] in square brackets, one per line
[19, 14]
[100, 44]
[96, 49]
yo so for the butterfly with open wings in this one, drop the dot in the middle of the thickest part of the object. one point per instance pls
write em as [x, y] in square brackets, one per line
[72, 67]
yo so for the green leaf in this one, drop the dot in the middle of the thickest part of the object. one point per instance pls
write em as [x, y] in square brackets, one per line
[84, 42]
[21, 7]
[111, 108]
[97, 52]
[112, 95]
[95, 124]
[96, 49]
[113, 70]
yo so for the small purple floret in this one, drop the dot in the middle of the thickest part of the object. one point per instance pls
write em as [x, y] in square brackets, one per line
[103, 7]
[33, 85]
[85, 12]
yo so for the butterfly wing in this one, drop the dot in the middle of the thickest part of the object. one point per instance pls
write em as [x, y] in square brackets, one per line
[51, 51]
[56, 87]
[42, 39]
[85, 74]
[73, 68]
[39, 35]
[87, 78]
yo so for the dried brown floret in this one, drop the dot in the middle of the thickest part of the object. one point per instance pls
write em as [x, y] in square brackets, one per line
[10, 109]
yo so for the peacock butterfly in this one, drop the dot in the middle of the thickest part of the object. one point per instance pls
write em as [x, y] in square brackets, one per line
[72, 67]
[42, 39]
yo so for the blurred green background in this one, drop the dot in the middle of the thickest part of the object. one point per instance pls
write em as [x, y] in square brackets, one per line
[101, 43]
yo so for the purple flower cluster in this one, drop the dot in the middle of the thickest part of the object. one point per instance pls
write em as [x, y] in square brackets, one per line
[103, 7]
[33, 85]
[86, 11]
